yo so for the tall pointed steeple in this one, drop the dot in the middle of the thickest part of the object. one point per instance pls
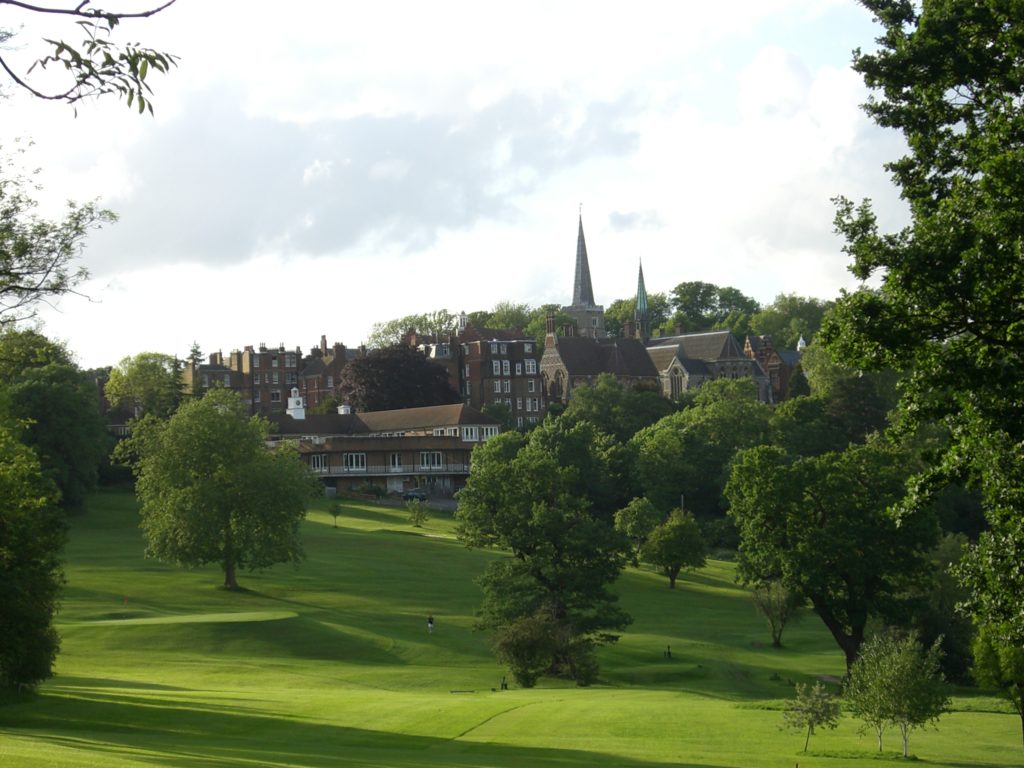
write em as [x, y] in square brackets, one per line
[642, 313]
[583, 291]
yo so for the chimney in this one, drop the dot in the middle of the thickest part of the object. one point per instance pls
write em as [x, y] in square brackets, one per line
[551, 324]
[323, 344]
[345, 409]
[627, 329]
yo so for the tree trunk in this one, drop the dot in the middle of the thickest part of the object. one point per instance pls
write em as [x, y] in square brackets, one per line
[807, 740]
[672, 580]
[905, 733]
[849, 642]
[229, 560]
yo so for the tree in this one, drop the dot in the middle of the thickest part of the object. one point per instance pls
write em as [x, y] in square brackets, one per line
[418, 512]
[636, 520]
[702, 306]
[896, 682]
[789, 318]
[689, 452]
[36, 254]
[523, 496]
[778, 605]
[392, 332]
[148, 384]
[508, 314]
[32, 534]
[813, 707]
[948, 307]
[56, 410]
[1000, 665]
[618, 410]
[212, 492]
[96, 66]
[394, 377]
[536, 329]
[823, 527]
[622, 311]
[674, 545]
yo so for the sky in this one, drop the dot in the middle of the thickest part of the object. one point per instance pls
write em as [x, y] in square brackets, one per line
[313, 168]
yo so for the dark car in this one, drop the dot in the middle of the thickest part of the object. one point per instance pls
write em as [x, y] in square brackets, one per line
[420, 494]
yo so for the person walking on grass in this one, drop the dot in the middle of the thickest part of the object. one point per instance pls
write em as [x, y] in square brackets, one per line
[430, 625]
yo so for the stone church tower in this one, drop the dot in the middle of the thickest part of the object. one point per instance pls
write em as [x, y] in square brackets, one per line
[589, 316]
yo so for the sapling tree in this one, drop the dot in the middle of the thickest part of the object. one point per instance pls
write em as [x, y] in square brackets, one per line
[896, 682]
[999, 664]
[813, 707]
[418, 512]
[778, 605]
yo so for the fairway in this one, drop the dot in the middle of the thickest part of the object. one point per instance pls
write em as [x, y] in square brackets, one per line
[331, 664]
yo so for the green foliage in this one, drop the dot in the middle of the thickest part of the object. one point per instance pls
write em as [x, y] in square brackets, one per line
[788, 318]
[622, 311]
[57, 409]
[528, 494]
[822, 527]
[394, 377]
[36, 254]
[32, 534]
[896, 682]
[98, 66]
[501, 413]
[392, 332]
[778, 605]
[526, 644]
[999, 664]
[947, 76]
[617, 410]
[703, 306]
[147, 384]
[689, 453]
[418, 512]
[211, 492]
[636, 520]
[536, 329]
[675, 544]
[813, 707]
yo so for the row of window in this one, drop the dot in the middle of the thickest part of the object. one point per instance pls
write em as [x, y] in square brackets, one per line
[501, 348]
[505, 385]
[272, 378]
[356, 462]
[289, 360]
[531, 403]
[504, 368]
[275, 396]
[206, 380]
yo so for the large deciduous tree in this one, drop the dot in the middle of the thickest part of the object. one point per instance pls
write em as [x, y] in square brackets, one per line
[148, 384]
[97, 65]
[789, 318]
[55, 408]
[394, 377]
[617, 410]
[32, 533]
[675, 544]
[948, 310]
[212, 492]
[547, 605]
[1000, 664]
[822, 526]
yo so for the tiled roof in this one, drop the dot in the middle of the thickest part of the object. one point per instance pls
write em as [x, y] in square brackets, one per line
[427, 417]
[589, 357]
[709, 346]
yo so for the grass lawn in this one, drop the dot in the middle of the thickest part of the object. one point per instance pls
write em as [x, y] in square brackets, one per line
[331, 664]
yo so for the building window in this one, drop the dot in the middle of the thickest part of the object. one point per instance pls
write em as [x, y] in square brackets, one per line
[469, 388]
[519, 369]
[438, 431]
[497, 367]
[430, 459]
[354, 462]
[531, 367]
[531, 385]
[289, 360]
[497, 385]
[519, 403]
[506, 385]
[519, 421]
[273, 361]
[274, 379]
[470, 434]
[227, 379]
[466, 374]
[494, 349]
[396, 462]
[508, 403]
[206, 380]
[318, 462]
[330, 382]
[504, 349]
[292, 378]
[505, 367]
[275, 396]
[528, 347]
[256, 378]
[536, 403]
[489, 432]
[256, 361]
[256, 396]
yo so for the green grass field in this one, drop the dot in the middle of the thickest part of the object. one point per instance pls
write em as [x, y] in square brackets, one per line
[331, 664]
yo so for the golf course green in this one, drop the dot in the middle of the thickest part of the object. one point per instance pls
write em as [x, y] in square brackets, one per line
[331, 664]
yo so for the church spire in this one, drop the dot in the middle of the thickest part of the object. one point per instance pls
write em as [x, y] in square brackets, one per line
[642, 314]
[583, 291]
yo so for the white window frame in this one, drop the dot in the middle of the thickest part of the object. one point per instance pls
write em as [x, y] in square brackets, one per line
[505, 368]
[354, 462]
[496, 365]
[497, 385]
[531, 367]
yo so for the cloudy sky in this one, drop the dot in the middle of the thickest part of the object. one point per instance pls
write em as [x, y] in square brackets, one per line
[315, 167]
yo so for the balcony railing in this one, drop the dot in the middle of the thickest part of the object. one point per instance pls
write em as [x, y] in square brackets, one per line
[384, 469]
